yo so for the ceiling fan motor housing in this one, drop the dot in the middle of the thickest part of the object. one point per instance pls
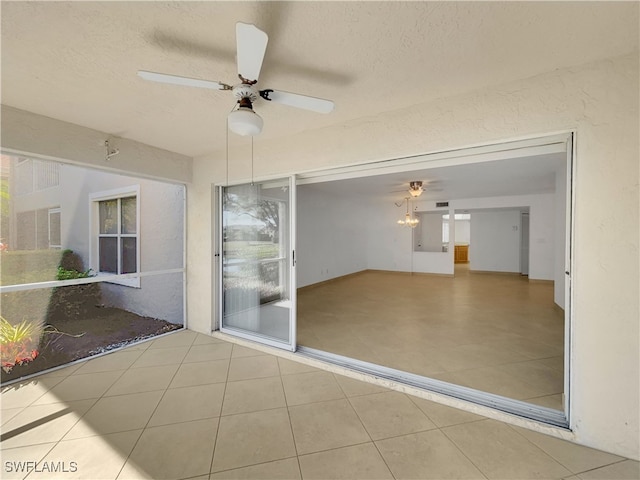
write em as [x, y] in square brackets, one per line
[243, 90]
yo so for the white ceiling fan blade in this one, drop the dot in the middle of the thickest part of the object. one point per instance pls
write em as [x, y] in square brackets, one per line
[186, 81]
[301, 101]
[252, 45]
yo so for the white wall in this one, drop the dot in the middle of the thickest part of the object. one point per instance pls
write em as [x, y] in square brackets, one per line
[600, 101]
[428, 233]
[496, 241]
[332, 236]
[542, 230]
[463, 231]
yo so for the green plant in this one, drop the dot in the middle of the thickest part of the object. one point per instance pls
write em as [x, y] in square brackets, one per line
[64, 274]
[19, 343]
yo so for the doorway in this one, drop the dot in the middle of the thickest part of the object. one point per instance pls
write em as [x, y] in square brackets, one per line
[257, 267]
[351, 244]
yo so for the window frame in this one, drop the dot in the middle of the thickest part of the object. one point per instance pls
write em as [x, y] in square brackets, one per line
[94, 213]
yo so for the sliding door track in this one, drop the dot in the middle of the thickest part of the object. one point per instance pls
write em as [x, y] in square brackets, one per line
[497, 402]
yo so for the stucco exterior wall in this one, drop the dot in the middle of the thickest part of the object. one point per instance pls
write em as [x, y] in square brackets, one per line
[600, 101]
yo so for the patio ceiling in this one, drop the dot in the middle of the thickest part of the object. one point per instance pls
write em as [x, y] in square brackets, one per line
[77, 61]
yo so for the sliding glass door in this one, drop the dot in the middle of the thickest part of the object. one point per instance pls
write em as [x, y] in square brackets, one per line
[257, 262]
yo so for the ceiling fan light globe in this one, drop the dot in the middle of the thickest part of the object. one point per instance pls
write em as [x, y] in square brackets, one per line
[245, 122]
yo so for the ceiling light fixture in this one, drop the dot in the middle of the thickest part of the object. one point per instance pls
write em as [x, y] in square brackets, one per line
[244, 121]
[415, 188]
[408, 220]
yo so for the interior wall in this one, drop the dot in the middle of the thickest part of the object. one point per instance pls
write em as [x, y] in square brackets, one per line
[542, 218]
[332, 233]
[599, 101]
[496, 241]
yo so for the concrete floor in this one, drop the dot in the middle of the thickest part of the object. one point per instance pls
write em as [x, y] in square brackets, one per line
[498, 333]
[188, 405]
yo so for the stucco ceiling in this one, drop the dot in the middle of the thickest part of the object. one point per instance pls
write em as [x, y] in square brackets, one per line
[77, 61]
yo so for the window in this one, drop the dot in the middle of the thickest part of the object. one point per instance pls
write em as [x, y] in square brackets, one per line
[116, 226]
[38, 229]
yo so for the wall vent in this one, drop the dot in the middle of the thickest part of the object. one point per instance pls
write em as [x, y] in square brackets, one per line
[442, 204]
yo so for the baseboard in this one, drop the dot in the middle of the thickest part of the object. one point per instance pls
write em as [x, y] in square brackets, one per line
[330, 280]
[547, 282]
[490, 272]
[397, 272]
[371, 270]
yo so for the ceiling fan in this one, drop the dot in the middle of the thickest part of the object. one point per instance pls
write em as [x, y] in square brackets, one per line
[251, 47]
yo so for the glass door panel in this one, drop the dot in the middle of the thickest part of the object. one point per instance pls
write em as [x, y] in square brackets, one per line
[257, 267]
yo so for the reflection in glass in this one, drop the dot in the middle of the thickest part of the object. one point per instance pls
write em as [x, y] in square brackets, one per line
[108, 216]
[256, 260]
[128, 255]
[128, 222]
[109, 254]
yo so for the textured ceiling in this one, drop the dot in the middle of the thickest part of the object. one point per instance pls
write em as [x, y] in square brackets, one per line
[77, 61]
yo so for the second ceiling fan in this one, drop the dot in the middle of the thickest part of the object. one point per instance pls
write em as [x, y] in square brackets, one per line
[251, 48]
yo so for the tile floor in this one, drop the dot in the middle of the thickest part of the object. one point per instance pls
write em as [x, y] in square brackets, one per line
[188, 405]
[492, 332]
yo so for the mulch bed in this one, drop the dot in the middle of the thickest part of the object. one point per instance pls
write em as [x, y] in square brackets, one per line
[95, 331]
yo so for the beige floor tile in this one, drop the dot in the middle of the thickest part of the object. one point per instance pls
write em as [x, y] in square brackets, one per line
[246, 368]
[80, 387]
[518, 381]
[575, 457]
[200, 373]
[180, 450]
[43, 423]
[326, 425]
[253, 395]
[112, 361]
[253, 438]
[154, 357]
[8, 413]
[138, 380]
[116, 414]
[311, 387]
[23, 394]
[14, 459]
[62, 372]
[289, 367]
[240, 351]
[141, 345]
[181, 338]
[488, 331]
[499, 452]
[287, 469]
[474, 355]
[208, 352]
[189, 403]
[348, 463]
[352, 387]
[390, 414]
[443, 415]
[626, 470]
[426, 455]
[95, 458]
[202, 339]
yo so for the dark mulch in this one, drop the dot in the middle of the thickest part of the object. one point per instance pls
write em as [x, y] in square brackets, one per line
[98, 330]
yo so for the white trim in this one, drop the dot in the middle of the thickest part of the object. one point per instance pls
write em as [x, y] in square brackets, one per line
[462, 156]
[82, 281]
